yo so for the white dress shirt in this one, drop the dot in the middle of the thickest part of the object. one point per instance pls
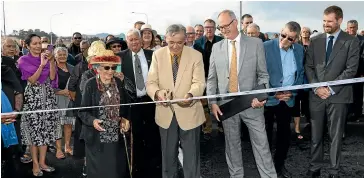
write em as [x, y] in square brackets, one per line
[144, 67]
[230, 50]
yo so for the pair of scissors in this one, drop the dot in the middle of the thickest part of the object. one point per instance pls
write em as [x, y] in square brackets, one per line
[169, 97]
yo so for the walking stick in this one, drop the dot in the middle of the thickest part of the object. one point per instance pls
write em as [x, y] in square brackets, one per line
[127, 154]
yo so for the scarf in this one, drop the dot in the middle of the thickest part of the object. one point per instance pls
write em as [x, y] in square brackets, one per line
[8, 133]
[29, 64]
[109, 96]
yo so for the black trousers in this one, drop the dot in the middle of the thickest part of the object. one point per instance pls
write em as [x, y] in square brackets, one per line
[280, 113]
[190, 143]
[301, 105]
[147, 153]
[336, 115]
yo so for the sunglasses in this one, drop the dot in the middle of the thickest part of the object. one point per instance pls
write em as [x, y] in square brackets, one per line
[116, 46]
[77, 38]
[108, 67]
[288, 38]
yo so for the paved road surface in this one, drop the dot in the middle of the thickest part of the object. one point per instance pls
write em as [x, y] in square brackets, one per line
[213, 164]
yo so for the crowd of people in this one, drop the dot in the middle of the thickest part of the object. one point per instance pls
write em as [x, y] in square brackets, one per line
[151, 140]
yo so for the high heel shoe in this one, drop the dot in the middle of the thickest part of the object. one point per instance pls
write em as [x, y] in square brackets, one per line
[84, 173]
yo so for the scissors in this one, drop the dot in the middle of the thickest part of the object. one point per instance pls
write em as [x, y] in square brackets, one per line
[169, 97]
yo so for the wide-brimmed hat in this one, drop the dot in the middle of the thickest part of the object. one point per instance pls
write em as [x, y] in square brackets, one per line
[146, 27]
[98, 54]
[113, 40]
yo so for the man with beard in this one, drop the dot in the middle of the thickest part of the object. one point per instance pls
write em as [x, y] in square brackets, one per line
[331, 56]
[357, 106]
[146, 140]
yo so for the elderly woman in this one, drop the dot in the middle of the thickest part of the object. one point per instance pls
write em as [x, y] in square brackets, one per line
[105, 151]
[39, 129]
[63, 100]
[148, 38]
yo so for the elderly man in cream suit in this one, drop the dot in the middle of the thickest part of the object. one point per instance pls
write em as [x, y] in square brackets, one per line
[237, 63]
[177, 72]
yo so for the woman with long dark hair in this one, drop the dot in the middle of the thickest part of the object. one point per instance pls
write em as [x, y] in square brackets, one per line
[39, 129]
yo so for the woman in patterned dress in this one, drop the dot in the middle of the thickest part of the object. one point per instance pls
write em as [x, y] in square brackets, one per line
[105, 150]
[39, 129]
[63, 99]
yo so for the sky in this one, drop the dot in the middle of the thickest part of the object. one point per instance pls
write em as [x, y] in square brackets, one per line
[115, 17]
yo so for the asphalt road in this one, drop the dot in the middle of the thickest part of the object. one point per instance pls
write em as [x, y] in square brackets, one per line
[213, 164]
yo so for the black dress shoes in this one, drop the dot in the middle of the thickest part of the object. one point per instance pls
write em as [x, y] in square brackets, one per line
[313, 174]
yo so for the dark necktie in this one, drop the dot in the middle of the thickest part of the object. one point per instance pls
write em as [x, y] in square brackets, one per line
[329, 48]
[175, 68]
[139, 79]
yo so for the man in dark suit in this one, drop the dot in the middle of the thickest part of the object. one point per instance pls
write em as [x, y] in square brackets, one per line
[333, 55]
[357, 106]
[147, 154]
[204, 45]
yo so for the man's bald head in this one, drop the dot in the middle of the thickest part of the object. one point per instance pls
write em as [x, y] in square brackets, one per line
[191, 35]
[8, 47]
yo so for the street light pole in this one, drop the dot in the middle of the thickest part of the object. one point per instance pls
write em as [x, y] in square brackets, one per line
[241, 14]
[143, 14]
[4, 18]
[50, 24]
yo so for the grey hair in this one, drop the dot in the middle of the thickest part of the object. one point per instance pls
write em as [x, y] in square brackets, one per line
[307, 28]
[176, 28]
[4, 41]
[254, 25]
[85, 42]
[353, 22]
[294, 27]
[60, 49]
[133, 31]
[230, 12]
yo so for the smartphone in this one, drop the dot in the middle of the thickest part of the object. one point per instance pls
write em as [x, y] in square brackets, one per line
[50, 48]
[118, 68]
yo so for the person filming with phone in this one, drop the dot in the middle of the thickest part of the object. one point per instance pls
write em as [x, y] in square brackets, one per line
[38, 130]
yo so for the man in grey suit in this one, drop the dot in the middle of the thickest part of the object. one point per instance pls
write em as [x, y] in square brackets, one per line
[333, 55]
[237, 63]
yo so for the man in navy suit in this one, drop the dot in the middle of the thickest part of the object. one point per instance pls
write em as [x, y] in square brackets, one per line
[285, 68]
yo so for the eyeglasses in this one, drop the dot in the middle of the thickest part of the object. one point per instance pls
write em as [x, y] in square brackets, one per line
[77, 38]
[108, 67]
[225, 27]
[191, 33]
[288, 38]
[116, 46]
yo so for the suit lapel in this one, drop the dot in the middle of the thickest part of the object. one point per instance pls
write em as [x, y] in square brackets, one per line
[340, 41]
[129, 69]
[242, 52]
[148, 57]
[321, 45]
[277, 51]
[225, 52]
[168, 72]
[182, 66]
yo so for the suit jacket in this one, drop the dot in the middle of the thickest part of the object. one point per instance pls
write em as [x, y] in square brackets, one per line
[275, 69]
[190, 79]
[199, 45]
[361, 60]
[342, 64]
[252, 69]
[128, 69]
